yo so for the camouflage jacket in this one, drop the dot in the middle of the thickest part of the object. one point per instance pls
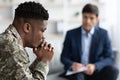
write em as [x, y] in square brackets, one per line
[14, 60]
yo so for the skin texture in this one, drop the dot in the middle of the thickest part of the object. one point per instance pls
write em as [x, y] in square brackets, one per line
[89, 20]
[31, 32]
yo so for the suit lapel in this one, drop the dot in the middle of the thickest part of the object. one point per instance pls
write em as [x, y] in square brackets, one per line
[79, 43]
[94, 43]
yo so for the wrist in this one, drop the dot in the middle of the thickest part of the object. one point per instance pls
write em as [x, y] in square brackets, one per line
[45, 61]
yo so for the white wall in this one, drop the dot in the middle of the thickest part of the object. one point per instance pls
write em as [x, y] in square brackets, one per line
[117, 35]
[118, 25]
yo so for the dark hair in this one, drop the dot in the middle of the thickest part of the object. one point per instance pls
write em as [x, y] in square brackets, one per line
[31, 10]
[90, 8]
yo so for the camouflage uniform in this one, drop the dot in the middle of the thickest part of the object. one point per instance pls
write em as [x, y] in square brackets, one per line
[14, 60]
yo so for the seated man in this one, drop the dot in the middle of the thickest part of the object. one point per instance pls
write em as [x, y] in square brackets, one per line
[25, 31]
[89, 46]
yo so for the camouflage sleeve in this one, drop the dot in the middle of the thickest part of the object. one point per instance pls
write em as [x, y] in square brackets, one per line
[14, 64]
[38, 70]
[14, 61]
[40, 67]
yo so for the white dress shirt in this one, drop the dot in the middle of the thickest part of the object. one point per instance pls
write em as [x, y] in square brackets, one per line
[86, 43]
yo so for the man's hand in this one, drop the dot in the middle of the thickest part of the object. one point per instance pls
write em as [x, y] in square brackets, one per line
[44, 52]
[76, 66]
[90, 69]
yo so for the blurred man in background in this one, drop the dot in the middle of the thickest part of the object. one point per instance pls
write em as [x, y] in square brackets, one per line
[89, 47]
[26, 31]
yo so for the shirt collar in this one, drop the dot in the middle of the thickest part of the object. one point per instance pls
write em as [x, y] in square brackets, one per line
[91, 31]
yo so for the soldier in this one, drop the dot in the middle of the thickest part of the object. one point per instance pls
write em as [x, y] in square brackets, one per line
[26, 31]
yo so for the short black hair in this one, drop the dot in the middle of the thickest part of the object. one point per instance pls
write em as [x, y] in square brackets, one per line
[32, 10]
[90, 8]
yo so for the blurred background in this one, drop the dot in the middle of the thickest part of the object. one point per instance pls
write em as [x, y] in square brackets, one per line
[66, 15]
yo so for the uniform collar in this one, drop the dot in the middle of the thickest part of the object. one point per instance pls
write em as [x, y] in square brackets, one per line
[15, 33]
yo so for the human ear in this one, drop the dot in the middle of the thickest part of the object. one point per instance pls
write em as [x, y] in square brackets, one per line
[27, 28]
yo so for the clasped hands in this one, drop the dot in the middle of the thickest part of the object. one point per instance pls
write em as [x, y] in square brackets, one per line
[44, 52]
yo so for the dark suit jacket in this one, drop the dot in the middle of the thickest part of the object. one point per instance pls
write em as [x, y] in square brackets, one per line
[101, 53]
